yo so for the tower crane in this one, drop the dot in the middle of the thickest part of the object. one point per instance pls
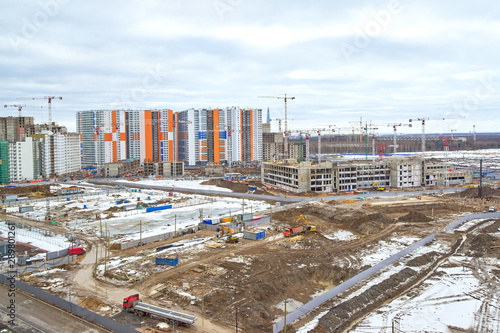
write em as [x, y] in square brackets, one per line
[395, 146]
[49, 98]
[319, 130]
[366, 128]
[423, 126]
[285, 98]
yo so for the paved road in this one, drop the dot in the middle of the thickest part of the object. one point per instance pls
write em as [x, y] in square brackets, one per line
[37, 316]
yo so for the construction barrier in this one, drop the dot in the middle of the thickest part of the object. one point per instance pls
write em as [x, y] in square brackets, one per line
[311, 305]
[69, 307]
[277, 327]
[40, 265]
[461, 220]
[150, 239]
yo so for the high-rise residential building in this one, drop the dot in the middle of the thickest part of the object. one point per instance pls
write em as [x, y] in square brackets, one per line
[22, 160]
[103, 136]
[66, 153]
[111, 136]
[150, 135]
[194, 136]
[219, 135]
[13, 129]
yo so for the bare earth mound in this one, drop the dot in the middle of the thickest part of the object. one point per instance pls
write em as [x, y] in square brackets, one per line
[414, 217]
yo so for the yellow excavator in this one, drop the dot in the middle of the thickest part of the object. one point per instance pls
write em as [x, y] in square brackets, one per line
[230, 238]
[377, 188]
[308, 226]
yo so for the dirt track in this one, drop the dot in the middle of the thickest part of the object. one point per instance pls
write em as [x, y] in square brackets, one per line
[252, 277]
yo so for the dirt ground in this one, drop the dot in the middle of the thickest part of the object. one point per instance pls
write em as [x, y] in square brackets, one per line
[249, 279]
[252, 277]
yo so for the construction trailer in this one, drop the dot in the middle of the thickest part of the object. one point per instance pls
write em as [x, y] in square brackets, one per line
[254, 234]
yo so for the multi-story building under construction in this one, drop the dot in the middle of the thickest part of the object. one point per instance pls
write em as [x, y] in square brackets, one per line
[342, 176]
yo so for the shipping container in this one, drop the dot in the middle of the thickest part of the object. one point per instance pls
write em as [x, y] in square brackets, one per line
[10, 197]
[167, 261]
[22, 199]
[252, 188]
[128, 207]
[254, 234]
[153, 209]
[227, 219]
[26, 209]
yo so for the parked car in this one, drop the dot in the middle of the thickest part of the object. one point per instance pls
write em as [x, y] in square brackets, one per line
[491, 209]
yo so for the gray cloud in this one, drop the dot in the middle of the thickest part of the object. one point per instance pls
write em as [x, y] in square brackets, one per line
[428, 59]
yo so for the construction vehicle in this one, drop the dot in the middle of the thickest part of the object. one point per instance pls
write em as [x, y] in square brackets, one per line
[377, 187]
[134, 304]
[230, 238]
[290, 232]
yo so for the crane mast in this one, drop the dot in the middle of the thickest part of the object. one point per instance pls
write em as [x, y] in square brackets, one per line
[285, 98]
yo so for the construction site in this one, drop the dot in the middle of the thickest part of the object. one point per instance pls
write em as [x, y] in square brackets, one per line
[222, 261]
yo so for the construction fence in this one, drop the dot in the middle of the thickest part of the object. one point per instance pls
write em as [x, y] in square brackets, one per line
[278, 326]
[63, 197]
[68, 306]
[146, 240]
[41, 265]
[235, 225]
[311, 305]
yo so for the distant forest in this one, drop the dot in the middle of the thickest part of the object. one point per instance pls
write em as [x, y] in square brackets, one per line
[334, 144]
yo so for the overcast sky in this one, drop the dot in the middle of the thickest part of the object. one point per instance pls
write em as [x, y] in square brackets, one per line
[384, 61]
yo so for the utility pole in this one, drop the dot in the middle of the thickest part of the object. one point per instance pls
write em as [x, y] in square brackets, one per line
[284, 320]
[480, 190]
[175, 225]
[236, 319]
[140, 233]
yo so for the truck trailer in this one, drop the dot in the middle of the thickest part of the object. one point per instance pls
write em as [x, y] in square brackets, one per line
[134, 304]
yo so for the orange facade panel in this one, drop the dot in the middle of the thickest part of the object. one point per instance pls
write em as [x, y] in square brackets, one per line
[115, 152]
[114, 125]
[216, 136]
[241, 134]
[108, 137]
[123, 136]
[170, 120]
[170, 151]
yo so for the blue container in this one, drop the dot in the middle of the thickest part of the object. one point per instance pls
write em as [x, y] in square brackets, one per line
[84, 206]
[67, 199]
[149, 198]
[252, 188]
[153, 209]
[167, 261]
[140, 190]
[125, 201]
[207, 221]
[260, 235]
[118, 202]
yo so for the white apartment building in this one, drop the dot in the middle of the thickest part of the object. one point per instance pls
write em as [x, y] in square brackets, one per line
[66, 153]
[21, 160]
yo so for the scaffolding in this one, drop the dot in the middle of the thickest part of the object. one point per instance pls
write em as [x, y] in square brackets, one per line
[4, 162]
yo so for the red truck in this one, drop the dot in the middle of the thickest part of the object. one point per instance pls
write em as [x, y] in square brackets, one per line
[133, 304]
[287, 232]
[76, 250]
